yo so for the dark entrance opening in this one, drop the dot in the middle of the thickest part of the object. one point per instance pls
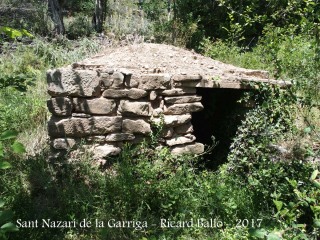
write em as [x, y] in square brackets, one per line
[220, 118]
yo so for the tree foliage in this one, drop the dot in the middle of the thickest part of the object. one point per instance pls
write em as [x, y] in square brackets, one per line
[240, 21]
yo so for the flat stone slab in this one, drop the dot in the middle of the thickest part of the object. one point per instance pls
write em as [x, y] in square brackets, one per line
[139, 126]
[173, 120]
[183, 108]
[147, 62]
[71, 82]
[178, 140]
[135, 108]
[195, 148]
[182, 99]
[82, 127]
[115, 137]
[178, 91]
[133, 93]
[99, 106]
[104, 151]
[153, 81]
[185, 128]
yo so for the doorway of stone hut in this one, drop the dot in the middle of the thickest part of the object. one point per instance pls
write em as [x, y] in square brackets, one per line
[220, 118]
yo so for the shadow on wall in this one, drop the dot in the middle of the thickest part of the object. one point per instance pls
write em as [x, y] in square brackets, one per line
[221, 116]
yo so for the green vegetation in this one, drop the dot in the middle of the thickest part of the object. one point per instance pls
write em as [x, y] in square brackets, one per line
[15, 147]
[268, 188]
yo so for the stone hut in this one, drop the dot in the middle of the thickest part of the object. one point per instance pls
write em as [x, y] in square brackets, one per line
[117, 96]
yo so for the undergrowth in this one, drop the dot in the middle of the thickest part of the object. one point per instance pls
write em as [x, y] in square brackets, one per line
[27, 110]
[268, 189]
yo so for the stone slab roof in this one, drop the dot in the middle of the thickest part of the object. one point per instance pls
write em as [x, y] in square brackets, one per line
[180, 64]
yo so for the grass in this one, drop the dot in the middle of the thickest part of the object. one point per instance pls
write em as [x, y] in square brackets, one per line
[142, 190]
[144, 183]
[141, 184]
[26, 112]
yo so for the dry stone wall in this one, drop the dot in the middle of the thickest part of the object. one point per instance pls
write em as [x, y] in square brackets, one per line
[115, 97]
[108, 107]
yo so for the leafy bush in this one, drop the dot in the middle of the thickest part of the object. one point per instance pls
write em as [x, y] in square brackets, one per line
[15, 147]
[278, 177]
[125, 20]
[80, 26]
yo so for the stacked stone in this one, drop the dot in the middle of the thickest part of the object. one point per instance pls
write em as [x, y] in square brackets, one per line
[108, 107]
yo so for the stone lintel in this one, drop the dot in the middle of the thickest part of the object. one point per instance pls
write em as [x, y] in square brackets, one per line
[183, 108]
[240, 83]
[182, 99]
[184, 77]
[178, 91]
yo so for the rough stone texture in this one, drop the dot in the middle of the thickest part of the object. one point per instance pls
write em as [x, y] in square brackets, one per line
[185, 128]
[63, 143]
[118, 80]
[182, 99]
[106, 80]
[187, 84]
[183, 108]
[81, 115]
[167, 132]
[60, 106]
[154, 81]
[69, 82]
[178, 140]
[130, 82]
[100, 106]
[141, 83]
[152, 58]
[153, 95]
[179, 91]
[104, 151]
[82, 127]
[173, 120]
[139, 139]
[157, 112]
[114, 137]
[133, 93]
[182, 77]
[195, 148]
[127, 107]
[136, 126]
[96, 139]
